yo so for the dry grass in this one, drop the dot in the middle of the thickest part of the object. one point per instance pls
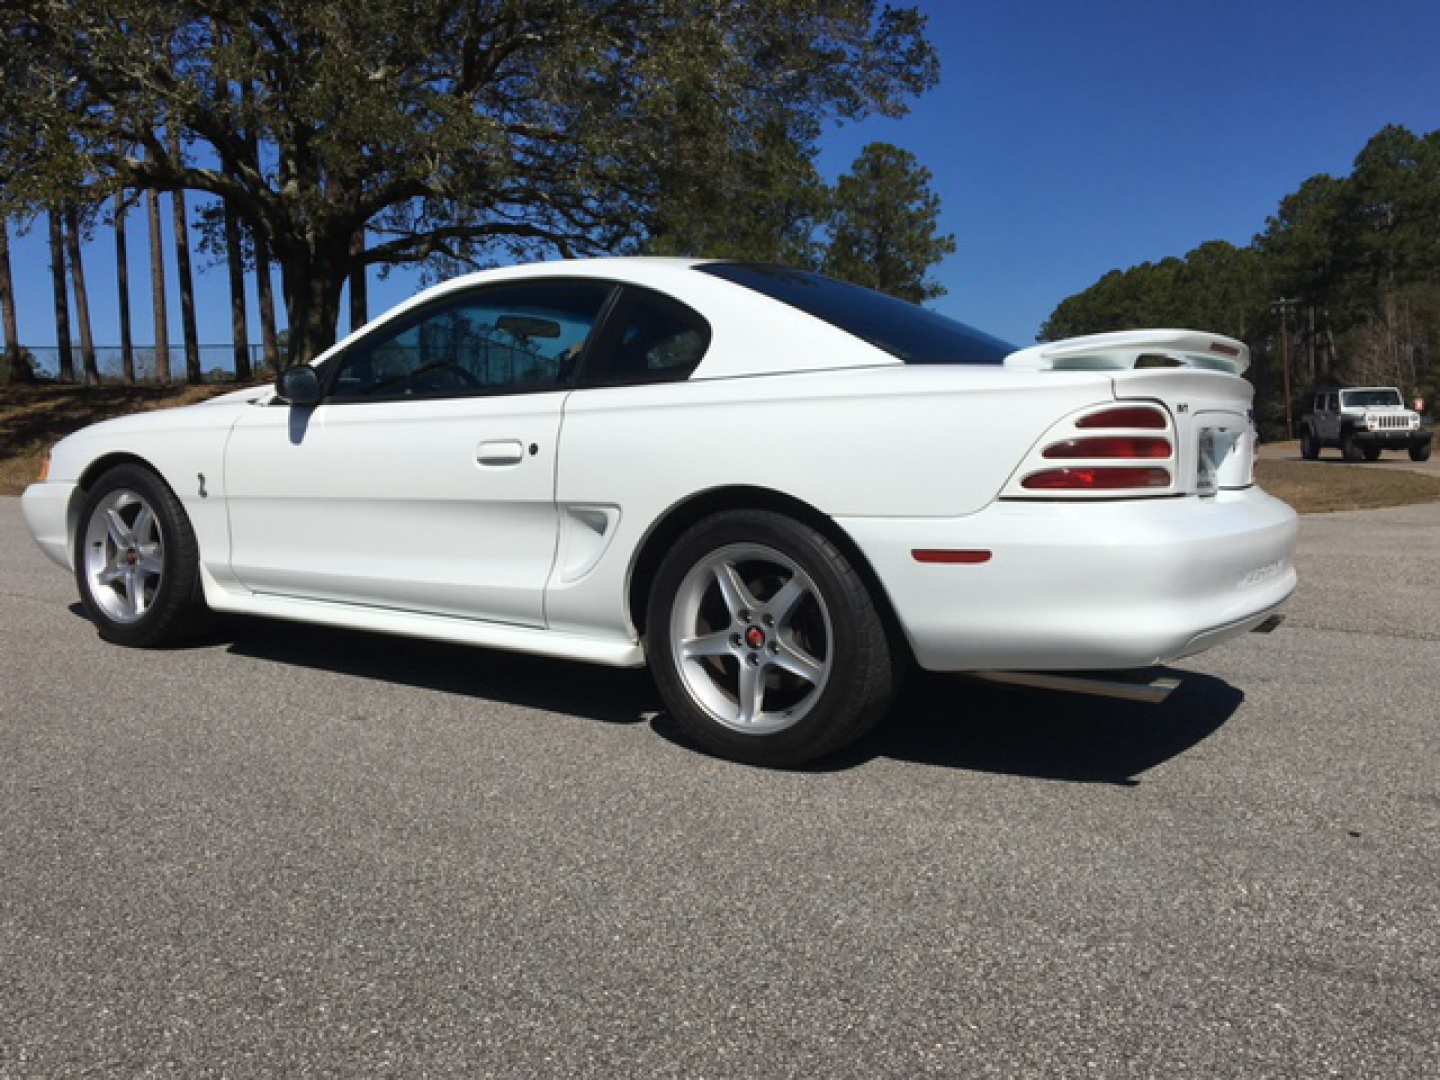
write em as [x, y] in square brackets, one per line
[34, 417]
[1323, 487]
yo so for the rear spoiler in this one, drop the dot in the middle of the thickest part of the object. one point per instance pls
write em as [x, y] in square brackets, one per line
[1128, 349]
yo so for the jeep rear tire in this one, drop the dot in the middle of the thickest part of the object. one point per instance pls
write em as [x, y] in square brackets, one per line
[1309, 445]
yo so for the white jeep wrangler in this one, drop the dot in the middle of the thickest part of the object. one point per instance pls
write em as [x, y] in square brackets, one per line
[1362, 422]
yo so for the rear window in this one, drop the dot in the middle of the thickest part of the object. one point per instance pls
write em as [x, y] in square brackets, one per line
[903, 329]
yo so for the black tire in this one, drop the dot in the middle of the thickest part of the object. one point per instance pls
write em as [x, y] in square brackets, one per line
[1372, 453]
[1349, 448]
[863, 665]
[177, 609]
[1420, 452]
[1309, 447]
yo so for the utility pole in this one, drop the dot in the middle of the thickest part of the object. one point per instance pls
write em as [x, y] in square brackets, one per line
[1283, 307]
[1310, 345]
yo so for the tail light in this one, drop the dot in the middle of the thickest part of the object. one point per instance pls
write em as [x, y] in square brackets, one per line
[1130, 416]
[1110, 446]
[1106, 452]
[1106, 479]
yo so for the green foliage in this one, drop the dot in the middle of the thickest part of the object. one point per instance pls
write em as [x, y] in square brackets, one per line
[883, 229]
[1359, 254]
[762, 201]
[454, 133]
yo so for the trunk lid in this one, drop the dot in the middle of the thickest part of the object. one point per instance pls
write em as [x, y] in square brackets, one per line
[1195, 376]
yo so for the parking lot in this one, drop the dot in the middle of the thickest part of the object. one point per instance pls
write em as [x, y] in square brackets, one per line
[298, 851]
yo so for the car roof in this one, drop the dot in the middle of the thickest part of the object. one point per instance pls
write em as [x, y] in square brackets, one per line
[751, 331]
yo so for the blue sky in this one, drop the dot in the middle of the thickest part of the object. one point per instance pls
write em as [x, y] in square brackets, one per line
[1066, 139]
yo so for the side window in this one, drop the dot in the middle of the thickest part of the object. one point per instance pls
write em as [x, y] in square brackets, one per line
[499, 339]
[1319, 403]
[1334, 403]
[649, 338]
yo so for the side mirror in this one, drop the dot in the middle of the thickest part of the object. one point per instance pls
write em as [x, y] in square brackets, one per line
[299, 385]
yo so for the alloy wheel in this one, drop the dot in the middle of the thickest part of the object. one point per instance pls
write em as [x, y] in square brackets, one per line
[751, 638]
[124, 555]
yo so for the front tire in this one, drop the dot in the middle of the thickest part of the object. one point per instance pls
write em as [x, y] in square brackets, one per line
[1420, 452]
[764, 641]
[1349, 448]
[137, 563]
[1372, 453]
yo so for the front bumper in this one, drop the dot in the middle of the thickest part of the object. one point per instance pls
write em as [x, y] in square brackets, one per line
[1393, 437]
[1085, 585]
[46, 507]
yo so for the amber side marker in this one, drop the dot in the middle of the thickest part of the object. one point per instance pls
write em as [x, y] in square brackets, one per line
[950, 555]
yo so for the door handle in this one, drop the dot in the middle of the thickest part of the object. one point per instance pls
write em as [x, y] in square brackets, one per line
[501, 452]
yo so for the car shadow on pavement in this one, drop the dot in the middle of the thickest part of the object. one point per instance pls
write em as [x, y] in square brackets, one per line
[610, 695]
[961, 723]
[946, 721]
[967, 724]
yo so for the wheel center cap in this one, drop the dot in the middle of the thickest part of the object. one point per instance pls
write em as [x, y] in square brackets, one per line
[131, 557]
[755, 637]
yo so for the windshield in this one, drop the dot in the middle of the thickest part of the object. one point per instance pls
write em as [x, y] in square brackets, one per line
[914, 334]
[1367, 399]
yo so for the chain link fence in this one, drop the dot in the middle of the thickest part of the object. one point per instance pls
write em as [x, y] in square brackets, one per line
[217, 363]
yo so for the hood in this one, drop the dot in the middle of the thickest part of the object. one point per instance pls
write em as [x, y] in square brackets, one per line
[263, 392]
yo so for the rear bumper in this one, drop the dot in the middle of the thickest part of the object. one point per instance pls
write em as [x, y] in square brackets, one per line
[1085, 586]
[46, 507]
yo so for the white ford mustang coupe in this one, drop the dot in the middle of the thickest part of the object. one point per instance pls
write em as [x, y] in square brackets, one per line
[775, 489]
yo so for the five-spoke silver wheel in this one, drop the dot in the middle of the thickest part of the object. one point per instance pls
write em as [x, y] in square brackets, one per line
[751, 638]
[124, 557]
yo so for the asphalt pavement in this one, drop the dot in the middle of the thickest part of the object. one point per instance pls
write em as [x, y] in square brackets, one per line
[291, 851]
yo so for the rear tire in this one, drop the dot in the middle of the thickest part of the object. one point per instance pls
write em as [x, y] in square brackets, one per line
[1309, 447]
[137, 563]
[1372, 453]
[765, 643]
[1421, 452]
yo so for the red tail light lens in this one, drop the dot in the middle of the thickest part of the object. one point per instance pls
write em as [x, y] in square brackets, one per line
[1110, 446]
[1102, 478]
[1127, 417]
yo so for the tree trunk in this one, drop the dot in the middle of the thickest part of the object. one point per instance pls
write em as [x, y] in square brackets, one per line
[263, 267]
[18, 365]
[313, 283]
[234, 260]
[266, 288]
[239, 328]
[122, 288]
[157, 290]
[62, 299]
[82, 298]
[193, 374]
[359, 294]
